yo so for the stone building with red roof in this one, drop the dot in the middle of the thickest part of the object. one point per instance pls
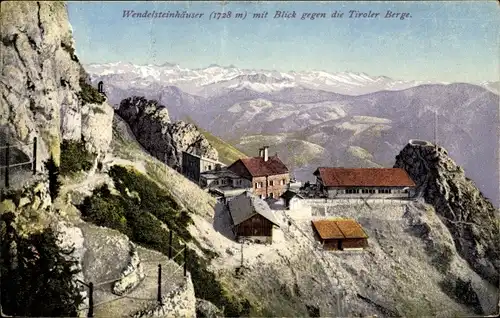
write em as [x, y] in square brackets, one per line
[269, 176]
[364, 182]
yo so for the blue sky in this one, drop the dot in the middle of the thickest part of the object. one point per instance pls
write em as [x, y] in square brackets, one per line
[444, 41]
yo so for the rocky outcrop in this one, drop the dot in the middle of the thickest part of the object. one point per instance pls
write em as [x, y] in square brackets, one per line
[205, 309]
[470, 217]
[31, 205]
[71, 238]
[41, 81]
[164, 139]
[132, 275]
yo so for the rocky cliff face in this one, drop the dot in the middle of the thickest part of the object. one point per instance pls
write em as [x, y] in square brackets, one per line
[164, 139]
[470, 217]
[41, 82]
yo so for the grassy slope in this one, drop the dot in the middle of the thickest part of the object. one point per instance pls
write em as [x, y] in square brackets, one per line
[227, 153]
[294, 152]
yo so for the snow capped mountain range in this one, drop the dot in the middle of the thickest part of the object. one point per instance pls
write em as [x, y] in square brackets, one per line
[216, 79]
[314, 110]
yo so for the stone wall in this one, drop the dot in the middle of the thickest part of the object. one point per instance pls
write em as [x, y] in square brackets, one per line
[180, 302]
[132, 274]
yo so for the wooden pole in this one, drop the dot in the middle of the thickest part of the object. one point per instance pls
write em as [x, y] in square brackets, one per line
[34, 155]
[170, 245]
[7, 163]
[241, 255]
[185, 260]
[91, 300]
[159, 284]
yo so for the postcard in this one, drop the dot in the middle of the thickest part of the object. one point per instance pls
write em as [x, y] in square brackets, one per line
[250, 158]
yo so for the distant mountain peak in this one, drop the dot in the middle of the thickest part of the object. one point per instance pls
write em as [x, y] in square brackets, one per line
[168, 64]
[216, 79]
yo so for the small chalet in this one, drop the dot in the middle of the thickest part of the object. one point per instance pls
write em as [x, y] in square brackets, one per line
[291, 199]
[252, 218]
[268, 175]
[340, 234]
[193, 165]
[364, 182]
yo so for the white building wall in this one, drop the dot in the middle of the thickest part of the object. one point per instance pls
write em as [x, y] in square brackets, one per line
[299, 209]
[342, 193]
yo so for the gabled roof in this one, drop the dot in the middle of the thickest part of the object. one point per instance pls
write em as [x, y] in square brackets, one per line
[257, 167]
[246, 205]
[339, 229]
[367, 177]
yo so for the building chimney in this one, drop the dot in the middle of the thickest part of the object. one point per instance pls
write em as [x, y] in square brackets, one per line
[266, 156]
[261, 152]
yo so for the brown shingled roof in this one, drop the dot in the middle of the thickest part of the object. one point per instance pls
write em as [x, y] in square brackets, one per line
[339, 229]
[257, 167]
[351, 229]
[367, 177]
[327, 229]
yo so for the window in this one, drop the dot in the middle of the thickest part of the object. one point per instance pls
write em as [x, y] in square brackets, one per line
[350, 191]
[209, 167]
[271, 195]
[283, 181]
[368, 191]
[216, 182]
[260, 196]
[258, 185]
[384, 191]
[271, 183]
[261, 184]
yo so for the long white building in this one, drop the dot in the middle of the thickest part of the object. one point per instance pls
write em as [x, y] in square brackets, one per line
[364, 182]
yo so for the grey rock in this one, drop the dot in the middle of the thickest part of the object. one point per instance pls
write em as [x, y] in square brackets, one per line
[205, 309]
[40, 81]
[471, 218]
[164, 139]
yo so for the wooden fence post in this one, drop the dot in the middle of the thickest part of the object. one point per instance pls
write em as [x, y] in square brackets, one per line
[34, 155]
[185, 260]
[170, 245]
[7, 157]
[91, 300]
[241, 265]
[159, 284]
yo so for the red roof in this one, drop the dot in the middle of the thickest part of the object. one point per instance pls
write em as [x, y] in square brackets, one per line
[257, 167]
[364, 177]
[339, 229]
